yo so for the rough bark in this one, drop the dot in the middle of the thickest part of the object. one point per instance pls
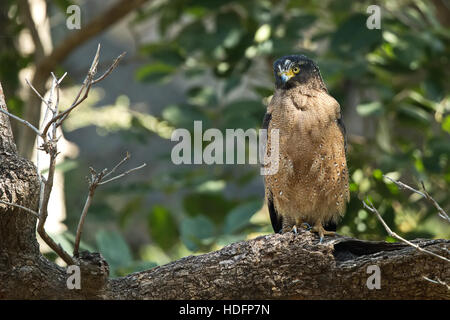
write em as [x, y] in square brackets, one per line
[292, 267]
[273, 266]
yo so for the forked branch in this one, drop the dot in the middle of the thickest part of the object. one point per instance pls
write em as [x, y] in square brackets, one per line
[372, 209]
[424, 194]
[49, 144]
[95, 180]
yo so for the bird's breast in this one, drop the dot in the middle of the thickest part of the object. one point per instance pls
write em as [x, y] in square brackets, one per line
[312, 178]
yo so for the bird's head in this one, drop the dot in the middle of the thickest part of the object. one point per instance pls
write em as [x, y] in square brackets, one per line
[290, 71]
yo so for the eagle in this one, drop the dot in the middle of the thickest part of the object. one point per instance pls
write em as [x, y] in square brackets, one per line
[310, 188]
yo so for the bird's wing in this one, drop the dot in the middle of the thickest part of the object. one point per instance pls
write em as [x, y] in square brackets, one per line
[340, 123]
[266, 120]
[275, 218]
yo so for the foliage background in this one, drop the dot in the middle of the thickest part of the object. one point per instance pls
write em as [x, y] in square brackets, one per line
[211, 60]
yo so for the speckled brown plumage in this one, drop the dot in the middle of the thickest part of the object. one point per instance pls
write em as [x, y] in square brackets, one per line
[311, 184]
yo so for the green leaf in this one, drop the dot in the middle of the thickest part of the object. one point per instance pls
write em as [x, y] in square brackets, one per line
[166, 53]
[240, 216]
[70, 237]
[193, 37]
[446, 124]
[414, 113]
[352, 36]
[162, 227]
[370, 109]
[114, 248]
[136, 266]
[62, 240]
[202, 96]
[155, 72]
[228, 30]
[231, 83]
[131, 207]
[297, 24]
[183, 116]
[244, 114]
[196, 229]
[263, 91]
[214, 205]
[212, 186]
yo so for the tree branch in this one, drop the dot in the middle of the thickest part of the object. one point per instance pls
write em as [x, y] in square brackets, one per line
[49, 145]
[21, 207]
[372, 209]
[26, 123]
[48, 63]
[291, 266]
[96, 180]
[424, 194]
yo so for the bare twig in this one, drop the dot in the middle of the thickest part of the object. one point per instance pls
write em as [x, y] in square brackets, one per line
[48, 103]
[60, 79]
[34, 213]
[94, 181]
[122, 174]
[77, 101]
[36, 92]
[85, 88]
[441, 211]
[87, 83]
[424, 194]
[372, 209]
[49, 145]
[127, 157]
[48, 63]
[110, 69]
[25, 122]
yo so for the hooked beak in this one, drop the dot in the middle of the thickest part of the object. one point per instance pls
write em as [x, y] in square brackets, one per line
[286, 75]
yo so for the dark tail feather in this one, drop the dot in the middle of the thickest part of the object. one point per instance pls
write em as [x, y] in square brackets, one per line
[275, 218]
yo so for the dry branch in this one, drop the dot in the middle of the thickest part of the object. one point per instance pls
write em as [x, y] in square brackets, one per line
[424, 194]
[34, 213]
[26, 123]
[96, 180]
[50, 146]
[45, 64]
[372, 209]
[293, 267]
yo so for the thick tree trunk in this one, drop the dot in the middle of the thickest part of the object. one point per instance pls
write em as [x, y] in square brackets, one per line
[292, 266]
[274, 266]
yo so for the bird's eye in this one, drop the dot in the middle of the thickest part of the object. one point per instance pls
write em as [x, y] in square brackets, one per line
[296, 70]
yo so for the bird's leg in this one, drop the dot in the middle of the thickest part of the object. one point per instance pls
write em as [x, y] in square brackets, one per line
[301, 224]
[318, 228]
[306, 226]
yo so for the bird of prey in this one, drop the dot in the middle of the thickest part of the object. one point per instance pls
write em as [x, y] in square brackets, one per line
[310, 188]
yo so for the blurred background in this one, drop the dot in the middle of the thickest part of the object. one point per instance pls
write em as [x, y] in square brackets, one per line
[211, 60]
